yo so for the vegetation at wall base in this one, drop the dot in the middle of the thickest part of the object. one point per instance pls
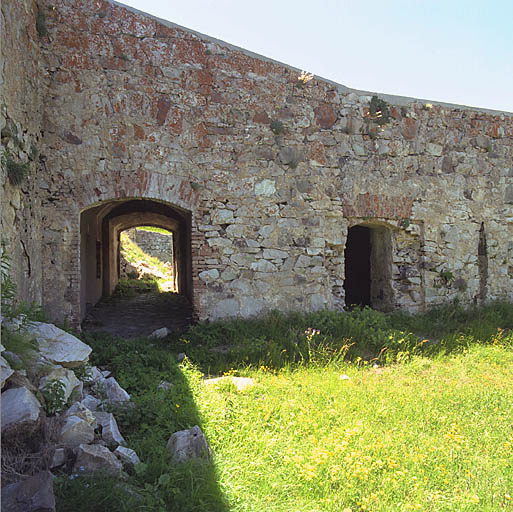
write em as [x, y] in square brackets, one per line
[130, 287]
[367, 412]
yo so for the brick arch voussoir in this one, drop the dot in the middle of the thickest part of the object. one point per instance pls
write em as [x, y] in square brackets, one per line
[173, 190]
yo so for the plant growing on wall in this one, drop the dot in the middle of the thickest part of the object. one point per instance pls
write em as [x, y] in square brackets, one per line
[42, 31]
[379, 112]
[277, 127]
[54, 393]
[445, 279]
[16, 171]
[303, 79]
[8, 288]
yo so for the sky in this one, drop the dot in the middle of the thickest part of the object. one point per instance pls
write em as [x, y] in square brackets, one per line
[453, 51]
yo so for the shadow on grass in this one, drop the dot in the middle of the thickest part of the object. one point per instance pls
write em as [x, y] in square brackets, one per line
[141, 365]
[361, 335]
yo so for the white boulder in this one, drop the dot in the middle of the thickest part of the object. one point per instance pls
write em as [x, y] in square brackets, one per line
[91, 402]
[19, 407]
[165, 385]
[35, 494]
[93, 375]
[58, 346]
[110, 430]
[80, 410]
[5, 371]
[160, 333]
[59, 458]
[188, 444]
[76, 431]
[127, 456]
[113, 391]
[96, 458]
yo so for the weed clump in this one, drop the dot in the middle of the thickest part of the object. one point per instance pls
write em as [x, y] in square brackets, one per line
[379, 111]
[277, 127]
[41, 28]
[16, 171]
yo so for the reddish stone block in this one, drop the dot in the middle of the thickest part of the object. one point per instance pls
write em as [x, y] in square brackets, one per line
[139, 132]
[377, 206]
[409, 128]
[113, 63]
[76, 61]
[163, 106]
[261, 117]
[216, 97]
[394, 113]
[325, 115]
[493, 130]
[317, 154]
[189, 52]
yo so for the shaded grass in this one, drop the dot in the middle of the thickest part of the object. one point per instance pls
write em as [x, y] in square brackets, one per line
[362, 336]
[158, 485]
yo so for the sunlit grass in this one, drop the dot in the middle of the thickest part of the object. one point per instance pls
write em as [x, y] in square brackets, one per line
[427, 435]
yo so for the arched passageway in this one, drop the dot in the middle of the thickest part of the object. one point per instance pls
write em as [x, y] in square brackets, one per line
[368, 267]
[100, 229]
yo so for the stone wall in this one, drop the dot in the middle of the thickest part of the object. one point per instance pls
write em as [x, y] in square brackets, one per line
[272, 172]
[23, 77]
[158, 245]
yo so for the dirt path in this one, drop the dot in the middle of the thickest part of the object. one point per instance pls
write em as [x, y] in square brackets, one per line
[139, 315]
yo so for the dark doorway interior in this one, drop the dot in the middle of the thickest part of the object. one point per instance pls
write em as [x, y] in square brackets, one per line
[368, 267]
[357, 283]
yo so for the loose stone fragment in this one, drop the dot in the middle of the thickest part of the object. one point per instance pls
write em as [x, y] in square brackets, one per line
[114, 392]
[188, 444]
[32, 495]
[59, 346]
[127, 455]
[96, 458]
[76, 431]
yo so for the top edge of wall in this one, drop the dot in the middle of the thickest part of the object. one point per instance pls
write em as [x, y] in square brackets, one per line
[390, 98]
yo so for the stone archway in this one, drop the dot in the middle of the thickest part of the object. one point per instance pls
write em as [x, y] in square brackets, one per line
[100, 227]
[368, 267]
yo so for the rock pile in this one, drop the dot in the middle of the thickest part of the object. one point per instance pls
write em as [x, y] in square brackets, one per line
[62, 403]
[58, 392]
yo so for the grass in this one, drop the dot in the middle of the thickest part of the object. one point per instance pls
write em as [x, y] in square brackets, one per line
[374, 412]
[130, 287]
[426, 435]
[134, 254]
[153, 229]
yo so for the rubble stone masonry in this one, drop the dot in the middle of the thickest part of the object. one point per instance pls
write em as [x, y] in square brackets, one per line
[272, 172]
